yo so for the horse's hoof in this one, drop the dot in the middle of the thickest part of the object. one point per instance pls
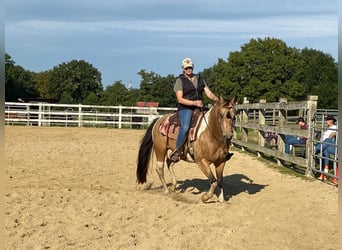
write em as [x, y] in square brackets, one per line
[172, 188]
[205, 197]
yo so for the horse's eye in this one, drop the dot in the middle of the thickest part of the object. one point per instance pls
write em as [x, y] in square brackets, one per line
[229, 116]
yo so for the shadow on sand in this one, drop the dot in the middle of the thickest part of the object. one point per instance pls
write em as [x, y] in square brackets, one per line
[233, 185]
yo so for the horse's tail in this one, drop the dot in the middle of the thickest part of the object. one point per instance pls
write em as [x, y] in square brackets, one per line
[144, 155]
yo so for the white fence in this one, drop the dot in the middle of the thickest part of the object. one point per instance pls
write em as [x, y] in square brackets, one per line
[78, 115]
[249, 117]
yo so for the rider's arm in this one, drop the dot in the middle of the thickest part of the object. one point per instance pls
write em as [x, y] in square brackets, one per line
[210, 94]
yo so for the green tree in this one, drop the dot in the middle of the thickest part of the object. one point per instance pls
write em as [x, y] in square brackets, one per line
[116, 94]
[148, 79]
[320, 77]
[42, 80]
[263, 68]
[219, 81]
[156, 88]
[19, 83]
[75, 80]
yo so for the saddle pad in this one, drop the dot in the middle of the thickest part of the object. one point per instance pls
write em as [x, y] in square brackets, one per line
[170, 128]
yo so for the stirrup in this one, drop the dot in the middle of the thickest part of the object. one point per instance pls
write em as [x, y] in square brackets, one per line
[175, 156]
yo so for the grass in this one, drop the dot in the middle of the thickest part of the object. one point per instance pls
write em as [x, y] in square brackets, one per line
[271, 162]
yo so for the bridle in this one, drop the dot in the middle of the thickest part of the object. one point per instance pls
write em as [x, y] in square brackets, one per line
[218, 118]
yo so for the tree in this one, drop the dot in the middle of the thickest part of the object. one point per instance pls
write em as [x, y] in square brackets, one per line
[268, 69]
[262, 69]
[154, 87]
[19, 83]
[219, 81]
[116, 94]
[42, 80]
[77, 78]
[320, 77]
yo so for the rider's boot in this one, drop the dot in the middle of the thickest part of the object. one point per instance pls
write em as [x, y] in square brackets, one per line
[175, 155]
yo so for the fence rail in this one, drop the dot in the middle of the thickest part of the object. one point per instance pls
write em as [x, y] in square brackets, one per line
[265, 119]
[47, 114]
[260, 127]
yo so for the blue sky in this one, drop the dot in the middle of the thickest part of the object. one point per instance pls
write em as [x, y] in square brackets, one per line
[120, 38]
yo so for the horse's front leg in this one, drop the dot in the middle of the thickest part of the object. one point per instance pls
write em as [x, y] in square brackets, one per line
[204, 166]
[219, 174]
[208, 195]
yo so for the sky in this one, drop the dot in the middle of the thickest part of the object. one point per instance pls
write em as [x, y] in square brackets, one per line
[122, 37]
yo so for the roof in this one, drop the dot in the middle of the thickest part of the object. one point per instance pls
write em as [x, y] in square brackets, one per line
[147, 104]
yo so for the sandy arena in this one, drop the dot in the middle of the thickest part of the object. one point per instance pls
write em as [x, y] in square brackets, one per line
[75, 188]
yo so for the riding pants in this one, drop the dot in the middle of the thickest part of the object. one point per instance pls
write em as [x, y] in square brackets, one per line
[185, 119]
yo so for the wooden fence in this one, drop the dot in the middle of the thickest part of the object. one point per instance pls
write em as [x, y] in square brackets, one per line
[260, 127]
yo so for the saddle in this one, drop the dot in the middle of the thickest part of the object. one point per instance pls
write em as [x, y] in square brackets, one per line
[170, 126]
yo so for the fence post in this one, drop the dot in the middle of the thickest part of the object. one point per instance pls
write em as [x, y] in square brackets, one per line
[120, 116]
[40, 114]
[79, 115]
[282, 123]
[262, 122]
[312, 106]
[28, 115]
[244, 121]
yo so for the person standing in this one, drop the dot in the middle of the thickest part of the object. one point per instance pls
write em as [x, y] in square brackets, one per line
[290, 140]
[326, 145]
[189, 88]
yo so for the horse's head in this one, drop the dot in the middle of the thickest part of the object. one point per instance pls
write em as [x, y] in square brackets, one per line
[226, 117]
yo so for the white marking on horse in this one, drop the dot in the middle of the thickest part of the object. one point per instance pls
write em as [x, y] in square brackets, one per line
[204, 124]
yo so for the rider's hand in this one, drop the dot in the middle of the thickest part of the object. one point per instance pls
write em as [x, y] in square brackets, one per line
[198, 103]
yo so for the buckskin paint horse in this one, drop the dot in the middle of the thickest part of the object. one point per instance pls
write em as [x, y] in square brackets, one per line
[210, 147]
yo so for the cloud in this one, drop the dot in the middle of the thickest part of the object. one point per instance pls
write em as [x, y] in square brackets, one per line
[318, 25]
[141, 34]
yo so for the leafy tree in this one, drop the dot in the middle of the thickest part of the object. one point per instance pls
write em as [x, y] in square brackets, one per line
[148, 79]
[268, 69]
[163, 91]
[218, 80]
[19, 83]
[77, 78]
[42, 80]
[91, 99]
[116, 94]
[154, 87]
[262, 69]
[320, 77]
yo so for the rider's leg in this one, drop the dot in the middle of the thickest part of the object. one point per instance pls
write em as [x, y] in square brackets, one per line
[185, 119]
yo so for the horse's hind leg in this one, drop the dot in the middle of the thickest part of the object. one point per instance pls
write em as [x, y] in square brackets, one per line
[173, 178]
[160, 172]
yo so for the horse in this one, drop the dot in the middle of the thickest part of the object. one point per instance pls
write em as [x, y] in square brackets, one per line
[210, 147]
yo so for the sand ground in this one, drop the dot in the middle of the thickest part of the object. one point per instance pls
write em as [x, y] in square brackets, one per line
[75, 188]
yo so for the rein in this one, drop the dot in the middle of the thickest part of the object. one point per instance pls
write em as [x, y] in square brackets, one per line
[212, 133]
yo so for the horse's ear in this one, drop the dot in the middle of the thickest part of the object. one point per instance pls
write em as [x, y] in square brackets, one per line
[234, 100]
[221, 99]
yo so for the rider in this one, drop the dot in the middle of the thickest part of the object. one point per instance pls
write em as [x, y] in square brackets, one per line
[189, 89]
